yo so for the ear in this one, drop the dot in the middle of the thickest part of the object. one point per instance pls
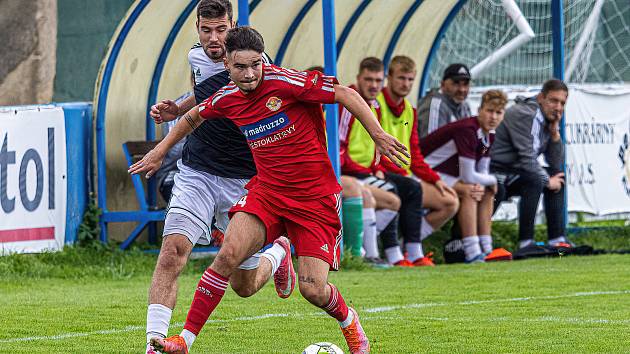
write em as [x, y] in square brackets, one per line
[225, 63]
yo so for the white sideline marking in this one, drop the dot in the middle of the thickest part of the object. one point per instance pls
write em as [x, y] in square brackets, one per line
[368, 310]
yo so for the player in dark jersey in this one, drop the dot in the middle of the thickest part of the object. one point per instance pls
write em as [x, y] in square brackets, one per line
[460, 153]
[216, 164]
[295, 190]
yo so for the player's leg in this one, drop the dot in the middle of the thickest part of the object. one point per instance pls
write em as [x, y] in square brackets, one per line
[553, 202]
[352, 205]
[316, 289]
[411, 220]
[245, 235]
[370, 243]
[189, 208]
[484, 220]
[529, 187]
[467, 217]
[441, 207]
[388, 206]
[255, 271]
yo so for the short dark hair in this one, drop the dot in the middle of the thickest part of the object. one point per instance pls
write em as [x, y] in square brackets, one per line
[371, 64]
[244, 38]
[554, 85]
[214, 9]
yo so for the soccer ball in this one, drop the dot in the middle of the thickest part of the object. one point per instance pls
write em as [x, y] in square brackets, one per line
[322, 347]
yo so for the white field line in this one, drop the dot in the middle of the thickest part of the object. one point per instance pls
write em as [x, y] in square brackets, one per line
[373, 310]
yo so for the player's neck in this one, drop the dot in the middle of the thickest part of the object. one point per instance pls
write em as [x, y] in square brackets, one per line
[395, 98]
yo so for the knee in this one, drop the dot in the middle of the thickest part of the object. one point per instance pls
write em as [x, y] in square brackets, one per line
[393, 202]
[314, 292]
[243, 289]
[351, 187]
[368, 198]
[226, 261]
[452, 204]
[172, 257]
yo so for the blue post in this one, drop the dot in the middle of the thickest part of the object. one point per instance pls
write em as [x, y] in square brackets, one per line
[78, 122]
[557, 29]
[330, 68]
[243, 13]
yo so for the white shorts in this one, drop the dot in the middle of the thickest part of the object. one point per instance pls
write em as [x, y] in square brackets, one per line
[204, 199]
[199, 199]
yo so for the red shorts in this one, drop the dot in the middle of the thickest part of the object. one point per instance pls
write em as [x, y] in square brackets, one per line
[313, 225]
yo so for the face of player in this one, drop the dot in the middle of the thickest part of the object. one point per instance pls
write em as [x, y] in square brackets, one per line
[370, 83]
[245, 68]
[552, 104]
[456, 90]
[400, 82]
[490, 116]
[212, 33]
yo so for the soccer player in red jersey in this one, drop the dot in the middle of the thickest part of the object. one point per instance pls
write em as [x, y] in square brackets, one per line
[295, 191]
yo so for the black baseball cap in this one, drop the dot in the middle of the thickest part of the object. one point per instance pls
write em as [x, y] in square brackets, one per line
[456, 72]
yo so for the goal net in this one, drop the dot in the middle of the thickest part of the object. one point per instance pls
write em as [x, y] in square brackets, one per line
[596, 42]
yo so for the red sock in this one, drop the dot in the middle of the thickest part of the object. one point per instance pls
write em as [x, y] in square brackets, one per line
[209, 292]
[336, 306]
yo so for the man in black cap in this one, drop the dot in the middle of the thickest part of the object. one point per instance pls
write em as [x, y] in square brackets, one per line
[447, 105]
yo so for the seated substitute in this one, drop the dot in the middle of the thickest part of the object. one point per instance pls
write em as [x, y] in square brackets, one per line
[398, 118]
[531, 128]
[460, 153]
[447, 105]
[358, 159]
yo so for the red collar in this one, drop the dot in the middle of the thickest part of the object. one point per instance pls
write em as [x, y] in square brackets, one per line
[397, 109]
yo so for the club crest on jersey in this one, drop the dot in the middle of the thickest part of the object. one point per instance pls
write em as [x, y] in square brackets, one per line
[274, 103]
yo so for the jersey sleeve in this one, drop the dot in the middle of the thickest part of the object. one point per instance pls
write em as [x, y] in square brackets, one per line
[207, 110]
[466, 142]
[315, 87]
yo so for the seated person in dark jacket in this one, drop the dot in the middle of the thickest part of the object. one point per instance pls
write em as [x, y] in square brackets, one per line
[532, 127]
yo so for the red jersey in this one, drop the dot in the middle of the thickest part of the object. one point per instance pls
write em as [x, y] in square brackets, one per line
[283, 123]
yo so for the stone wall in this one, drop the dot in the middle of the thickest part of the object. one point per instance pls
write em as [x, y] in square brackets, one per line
[28, 33]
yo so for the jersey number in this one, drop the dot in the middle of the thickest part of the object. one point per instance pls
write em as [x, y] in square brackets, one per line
[242, 202]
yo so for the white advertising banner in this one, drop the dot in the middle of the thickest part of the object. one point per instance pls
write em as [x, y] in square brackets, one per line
[598, 158]
[33, 183]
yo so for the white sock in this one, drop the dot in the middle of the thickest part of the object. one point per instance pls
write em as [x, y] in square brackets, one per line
[486, 243]
[275, 254]
[383, 218]
[345, 323]
[471, 247]
[393, 254]
[369, 233]
[189, 337]
[425, 229]
[414, 251]
[525, 243]
[158, 320]
[557, 240]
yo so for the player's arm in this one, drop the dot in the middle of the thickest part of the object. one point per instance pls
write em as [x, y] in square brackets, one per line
[152, 161]
[385, 143]
[167, 110]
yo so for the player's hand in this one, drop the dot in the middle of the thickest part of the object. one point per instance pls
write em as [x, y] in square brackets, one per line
[379, 174]
[150, 163]
[443, 188]
[164, 111]
[476, 192]
[556, 181]
[392, 148]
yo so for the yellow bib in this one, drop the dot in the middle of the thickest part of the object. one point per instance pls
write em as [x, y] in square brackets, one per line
[361, 147]
[400, 127]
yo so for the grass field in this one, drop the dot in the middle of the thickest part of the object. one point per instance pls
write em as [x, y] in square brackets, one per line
[570, 304]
